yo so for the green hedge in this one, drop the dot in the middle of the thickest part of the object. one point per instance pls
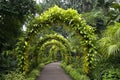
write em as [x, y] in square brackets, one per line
[74, 73]
[35, 72]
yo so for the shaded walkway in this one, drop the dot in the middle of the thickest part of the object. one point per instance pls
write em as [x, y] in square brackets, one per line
[53, 71]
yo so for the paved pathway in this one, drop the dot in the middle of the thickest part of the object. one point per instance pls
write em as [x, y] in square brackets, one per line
[53, 71]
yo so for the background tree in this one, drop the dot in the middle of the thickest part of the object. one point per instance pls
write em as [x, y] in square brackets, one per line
[98, 13]
[13, 14]
[80, 5]
[105, 13]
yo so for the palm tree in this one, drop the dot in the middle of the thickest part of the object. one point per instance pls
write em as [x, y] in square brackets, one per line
[110, 43]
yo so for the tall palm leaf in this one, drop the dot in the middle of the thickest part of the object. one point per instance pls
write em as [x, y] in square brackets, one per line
[110, 43]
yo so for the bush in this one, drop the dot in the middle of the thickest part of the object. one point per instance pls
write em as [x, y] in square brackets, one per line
[74, 73]
[1, 76]
[111, 74]
[103, 65]
[68, 68]
[35, 72]
[14, 75]
[77, 76]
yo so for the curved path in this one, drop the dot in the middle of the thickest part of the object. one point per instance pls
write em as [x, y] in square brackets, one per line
[53, 71]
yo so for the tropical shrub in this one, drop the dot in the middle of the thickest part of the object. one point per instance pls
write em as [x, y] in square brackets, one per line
[35, 72]
[8, 61]
[109, 44]
[74, 73]
[14, 75]
[111, 74]
[108, 57]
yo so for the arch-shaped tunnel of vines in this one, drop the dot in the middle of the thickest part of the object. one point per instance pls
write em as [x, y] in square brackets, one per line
[55, 42]
[58, 44]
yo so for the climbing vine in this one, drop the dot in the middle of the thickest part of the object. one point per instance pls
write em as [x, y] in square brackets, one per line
[53, 52]
[55, 37]
[72, 19]
[36, 52]
[61, 46]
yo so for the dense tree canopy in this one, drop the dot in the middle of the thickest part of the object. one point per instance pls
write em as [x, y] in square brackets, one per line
[80, 5]
[13, 14]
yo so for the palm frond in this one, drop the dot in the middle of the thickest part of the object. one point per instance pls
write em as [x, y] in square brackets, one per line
[117, 35]
[110, 43]
[104, 43]
[113, 50]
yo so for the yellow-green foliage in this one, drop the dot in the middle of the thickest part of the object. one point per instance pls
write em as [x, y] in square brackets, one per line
[74, 73]
[110, 42]
[71, 18]
[57, 37]
[61, 47]
[56, 40]
[108, 63]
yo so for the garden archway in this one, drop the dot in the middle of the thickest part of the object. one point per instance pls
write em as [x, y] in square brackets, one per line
[72, 19]
[61, 46]
[57, 37]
